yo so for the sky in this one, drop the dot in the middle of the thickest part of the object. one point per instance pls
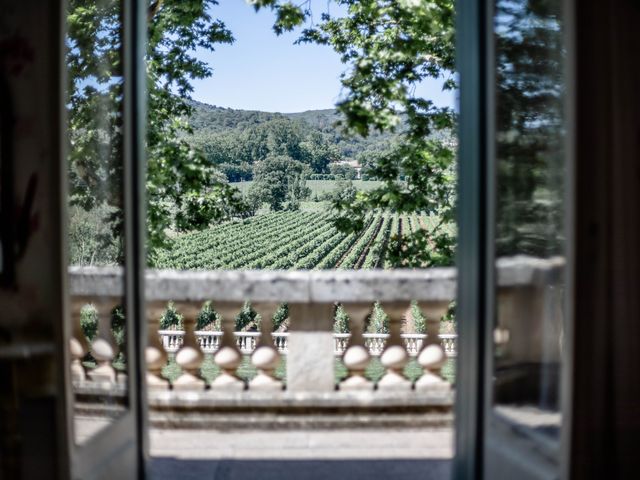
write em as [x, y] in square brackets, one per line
[262, 71]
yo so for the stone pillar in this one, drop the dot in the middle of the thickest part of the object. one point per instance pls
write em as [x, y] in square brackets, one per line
[356, 357]
[310, 360]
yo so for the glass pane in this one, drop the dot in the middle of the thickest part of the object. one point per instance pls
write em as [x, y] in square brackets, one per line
[96, 214]
[529, 230]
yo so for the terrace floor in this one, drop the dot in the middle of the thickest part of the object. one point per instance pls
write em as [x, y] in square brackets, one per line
[301, 454]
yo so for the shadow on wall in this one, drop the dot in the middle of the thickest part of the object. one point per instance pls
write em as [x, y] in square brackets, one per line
[167, 468]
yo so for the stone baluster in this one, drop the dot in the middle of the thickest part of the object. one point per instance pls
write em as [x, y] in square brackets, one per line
[409, 344]
[175, 341]
[356, 357]
[416, 345]
[265, 357]
[228, 357]
[432, 356]
[310, 357]
[78, 345]
[449, 344]
[370, 345]
[155, 353]
[103, 346]
[189, 356]
[394, 356]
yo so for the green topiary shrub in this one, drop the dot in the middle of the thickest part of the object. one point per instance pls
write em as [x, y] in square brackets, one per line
[378, 320]
[171, 319]
[89, 325]
[282, 313]
[419, 321]
[89, 322]
[340, 320]
[119, 332]
[246, 319]
[118, 327]
[208, 318]
[451, 313]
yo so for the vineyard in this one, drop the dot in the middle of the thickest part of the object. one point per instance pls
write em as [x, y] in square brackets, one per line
[300, 240]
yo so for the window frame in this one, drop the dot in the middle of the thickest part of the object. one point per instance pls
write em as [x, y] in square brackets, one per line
[481, 437]
[472, 61]
[122, 448]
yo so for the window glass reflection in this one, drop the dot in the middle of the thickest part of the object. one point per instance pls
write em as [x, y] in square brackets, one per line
[530, 210]
[96, 212]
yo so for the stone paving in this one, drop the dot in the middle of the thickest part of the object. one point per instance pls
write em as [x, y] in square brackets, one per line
[301, 454]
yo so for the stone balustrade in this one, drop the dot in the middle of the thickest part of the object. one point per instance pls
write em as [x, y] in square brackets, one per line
[246, 341]
[310, 345]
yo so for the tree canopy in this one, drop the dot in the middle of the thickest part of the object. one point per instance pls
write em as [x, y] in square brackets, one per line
[177, 174]
[280, 181]
[390, 46]
[529, 128]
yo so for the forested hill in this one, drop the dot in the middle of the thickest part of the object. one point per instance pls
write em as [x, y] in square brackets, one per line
[209, 121]
[236, 140]
[219, 119]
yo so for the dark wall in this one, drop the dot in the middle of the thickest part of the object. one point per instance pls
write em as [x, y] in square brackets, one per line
[606, 390]
[32, 412]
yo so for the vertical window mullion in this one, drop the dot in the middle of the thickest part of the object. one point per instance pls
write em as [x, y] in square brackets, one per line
[472, 63]
[135, 100]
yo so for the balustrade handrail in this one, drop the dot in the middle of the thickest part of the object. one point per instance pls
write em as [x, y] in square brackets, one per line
[308, 286]
[267, 286]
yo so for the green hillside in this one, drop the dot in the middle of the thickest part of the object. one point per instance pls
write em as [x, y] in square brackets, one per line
[213, 118]
[319, 187]
[209, 120]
